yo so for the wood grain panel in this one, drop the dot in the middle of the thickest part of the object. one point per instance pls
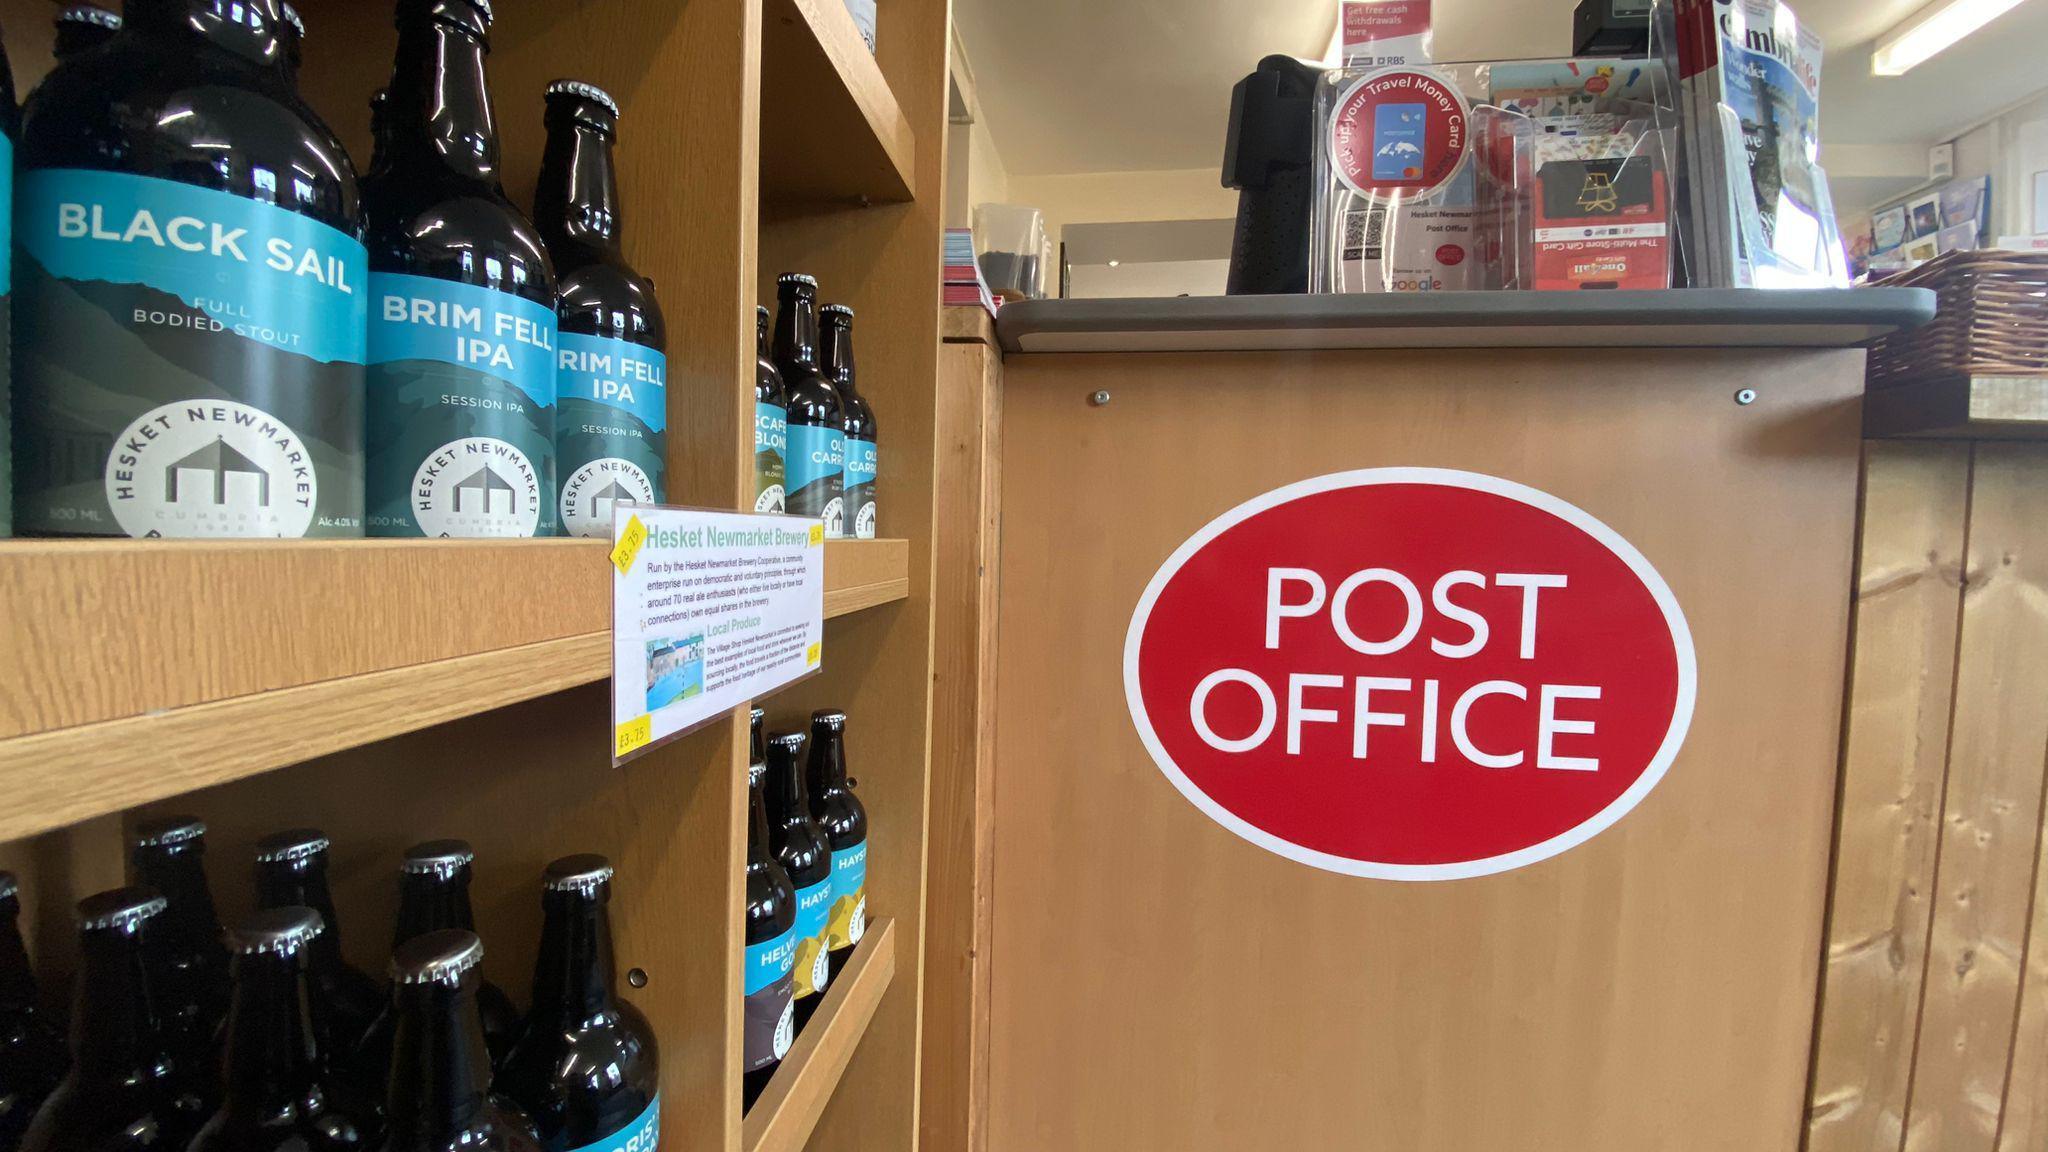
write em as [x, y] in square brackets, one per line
[1991, 818]
[1894, 760]
[837, 130]
[954, 1083]
[1651, 989]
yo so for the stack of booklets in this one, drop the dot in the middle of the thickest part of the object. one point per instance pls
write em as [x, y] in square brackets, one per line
[963, 283]
[1756, 200]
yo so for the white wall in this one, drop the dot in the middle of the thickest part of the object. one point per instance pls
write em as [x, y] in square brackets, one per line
[1124, 197]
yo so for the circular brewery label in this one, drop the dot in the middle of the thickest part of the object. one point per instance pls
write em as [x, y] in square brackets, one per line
[207, 467]
[1410, 673]
[591, 492]
[770, 499]
[478, 486]
[1399, 132]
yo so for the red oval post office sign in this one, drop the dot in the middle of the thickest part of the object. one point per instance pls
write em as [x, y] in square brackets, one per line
[1410, 673]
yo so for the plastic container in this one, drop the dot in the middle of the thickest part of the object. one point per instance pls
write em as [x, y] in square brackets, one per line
[1010, 244]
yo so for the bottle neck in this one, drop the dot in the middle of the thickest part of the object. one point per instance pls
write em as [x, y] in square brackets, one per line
[189, 923]
[576, 204]
[428, 902]
[273, 1041]
[572, 980]
[253, 31]
[285, 883]
[796, 330]
[836, 356]
[788, 797]
[114, 1031]
[828, 764]
[440, 104]
[761, 337]
[17, 979]
[757, 824]
[440, 1075]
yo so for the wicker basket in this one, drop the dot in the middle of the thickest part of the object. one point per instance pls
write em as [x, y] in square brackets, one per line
[1992, 321]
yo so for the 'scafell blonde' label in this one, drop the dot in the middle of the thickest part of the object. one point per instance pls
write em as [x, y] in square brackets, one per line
[189, 362]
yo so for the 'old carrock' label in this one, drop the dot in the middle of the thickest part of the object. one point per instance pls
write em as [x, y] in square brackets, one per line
[610, 430]
[190, 362]
[461, 410]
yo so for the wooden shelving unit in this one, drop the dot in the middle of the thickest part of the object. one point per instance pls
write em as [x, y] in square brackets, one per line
[827, 97]
[785, 1115]
[392, 692]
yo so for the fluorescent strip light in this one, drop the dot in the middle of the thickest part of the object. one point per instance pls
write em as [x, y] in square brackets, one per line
[1933, 30]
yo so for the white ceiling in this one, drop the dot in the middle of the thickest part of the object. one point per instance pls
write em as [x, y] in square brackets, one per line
[1126, 85]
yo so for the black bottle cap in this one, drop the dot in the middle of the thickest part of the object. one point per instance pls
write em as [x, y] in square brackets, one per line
[10, 888]
[472, 14]
[793, 741]
[89, 14]
[755, 774]
[291, 17]
[590, 92]
[832, 310]
[122, 908]
[438, 857]
[829, 719]
[296, 844]
[439, 957]
[275, 931]
[756, 715]
[797, 278]
[761, 311]
[581, 873]
[169, 831]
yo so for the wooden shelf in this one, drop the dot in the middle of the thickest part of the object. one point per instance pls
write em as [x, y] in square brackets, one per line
[142, 670]
[831, 129]
[782, 1119]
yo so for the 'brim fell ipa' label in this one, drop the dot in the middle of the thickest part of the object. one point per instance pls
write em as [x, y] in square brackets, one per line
[849, 921]
[816, 472]
[611, 430]
[813, 966]
[770, 1017]
[461, 410]
[771, 445]
[191, 363]
[861, 460]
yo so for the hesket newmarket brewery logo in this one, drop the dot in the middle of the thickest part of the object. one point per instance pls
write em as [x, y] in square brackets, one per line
[592, 491]
[210, 468]
[477, 486]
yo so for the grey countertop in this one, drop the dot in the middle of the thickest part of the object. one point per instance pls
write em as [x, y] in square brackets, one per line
[1686, 318]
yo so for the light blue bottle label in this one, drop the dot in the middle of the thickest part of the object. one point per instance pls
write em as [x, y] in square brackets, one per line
[771, 448]
[817, 476]
[849, 920]
[190, 362]
[861, 461]
[813, 909]
[461, 410]
[610, 440]
[6, 334]
[643, 1134]
[768, 1016]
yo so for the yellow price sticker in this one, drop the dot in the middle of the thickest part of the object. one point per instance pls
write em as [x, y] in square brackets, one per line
[628, 548]
[813, 654]
[817, 535]
[633, 734]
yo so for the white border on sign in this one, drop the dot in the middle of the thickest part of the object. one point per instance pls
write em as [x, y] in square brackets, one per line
[1674, 738]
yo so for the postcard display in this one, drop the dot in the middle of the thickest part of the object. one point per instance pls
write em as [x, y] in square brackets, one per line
[1569, 174]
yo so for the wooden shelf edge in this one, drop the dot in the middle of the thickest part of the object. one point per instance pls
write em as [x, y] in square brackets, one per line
[61, 777]
[782, 1119]
[864, 573]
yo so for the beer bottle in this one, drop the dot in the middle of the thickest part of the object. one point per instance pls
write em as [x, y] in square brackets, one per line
[280, 1094]
[125, 1091]
[194, 289]
[769, 1026]
[10, 131]
[433, 896]
[294, 38]
[800, 846]
[84, 26]
[771, 421]
[461, 408]
[291, 870]
[611, 430]
[190, 987]
[439, 1098]
[856, 418]
[845, 822]
[32, 1055]
[585, 1068]
[813, 470]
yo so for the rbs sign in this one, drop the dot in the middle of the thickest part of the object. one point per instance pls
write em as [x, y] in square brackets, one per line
[1410, 673]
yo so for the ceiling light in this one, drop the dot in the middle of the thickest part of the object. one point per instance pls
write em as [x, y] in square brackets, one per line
[1114, 263]
[1932, 30]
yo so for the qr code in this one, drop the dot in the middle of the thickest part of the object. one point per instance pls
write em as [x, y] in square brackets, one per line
[1365, 232]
